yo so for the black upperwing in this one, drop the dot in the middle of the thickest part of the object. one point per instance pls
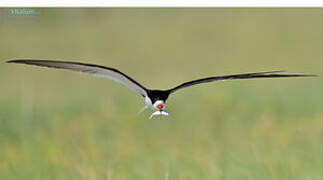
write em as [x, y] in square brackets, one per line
[270, 74]
[96, 70]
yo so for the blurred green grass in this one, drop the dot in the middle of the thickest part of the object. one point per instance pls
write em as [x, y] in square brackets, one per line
[62, 125]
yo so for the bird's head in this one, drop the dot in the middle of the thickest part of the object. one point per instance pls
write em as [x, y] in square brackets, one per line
[159, 105]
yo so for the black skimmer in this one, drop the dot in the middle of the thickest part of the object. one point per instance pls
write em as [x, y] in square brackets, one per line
[154, 99]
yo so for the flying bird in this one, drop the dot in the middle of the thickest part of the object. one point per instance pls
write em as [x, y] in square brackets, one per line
[154, 99]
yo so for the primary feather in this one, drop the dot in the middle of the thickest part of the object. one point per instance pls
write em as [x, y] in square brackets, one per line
[270, 74]
[96, 70]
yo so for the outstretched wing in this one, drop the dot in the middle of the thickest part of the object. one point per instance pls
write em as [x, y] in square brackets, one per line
[271, 74]
[96, 70]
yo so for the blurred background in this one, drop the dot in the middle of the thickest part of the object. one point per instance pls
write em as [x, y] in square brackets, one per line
[56, 124]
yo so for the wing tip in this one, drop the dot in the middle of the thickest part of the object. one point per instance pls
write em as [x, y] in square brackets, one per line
[309, 75]
[17, 61]
[11, 61]
[27, 61]
[291, 75]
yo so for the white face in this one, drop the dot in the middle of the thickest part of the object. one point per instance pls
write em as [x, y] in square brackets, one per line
[159, 105]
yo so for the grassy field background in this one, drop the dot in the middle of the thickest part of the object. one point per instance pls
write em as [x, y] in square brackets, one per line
[62, 125]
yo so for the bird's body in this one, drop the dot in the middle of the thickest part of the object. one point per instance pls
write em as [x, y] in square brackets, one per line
[154, 99]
